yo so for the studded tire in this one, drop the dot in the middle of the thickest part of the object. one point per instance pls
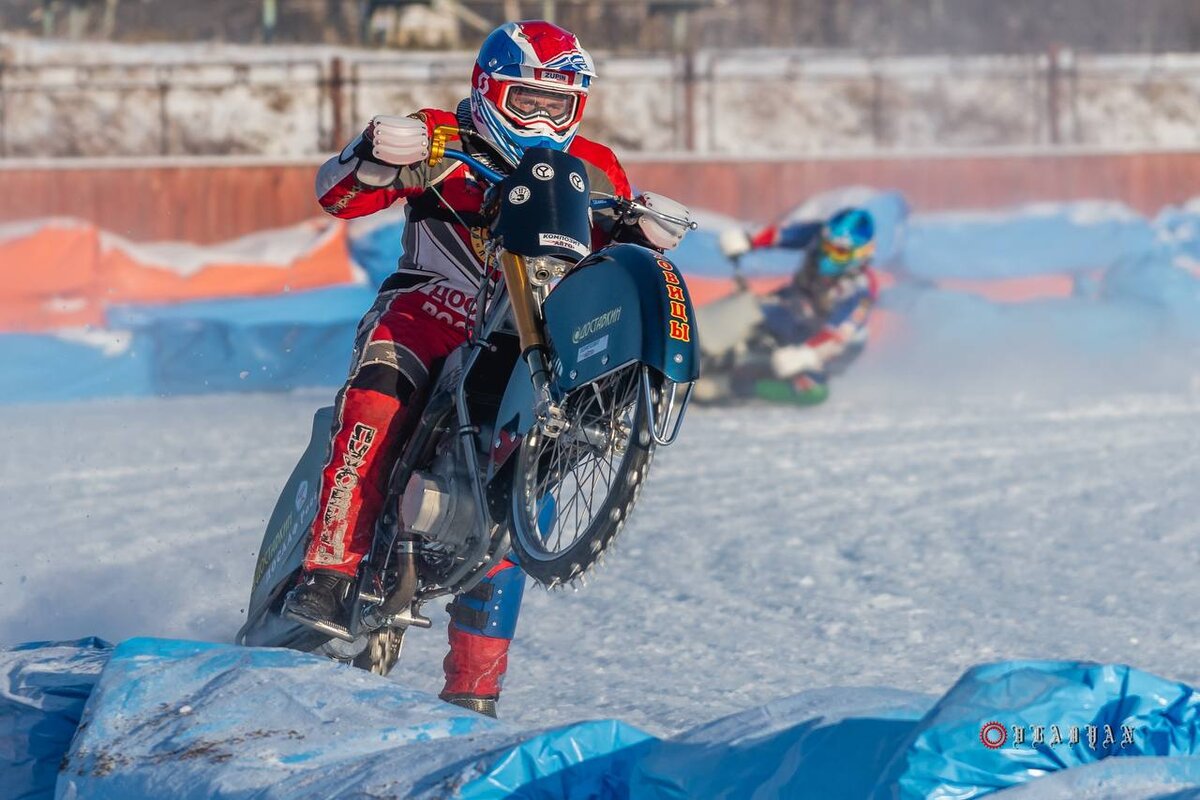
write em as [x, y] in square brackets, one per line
[542, 465]
[382, 651]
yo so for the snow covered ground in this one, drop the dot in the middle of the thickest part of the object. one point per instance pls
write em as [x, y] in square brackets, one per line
[907, 530]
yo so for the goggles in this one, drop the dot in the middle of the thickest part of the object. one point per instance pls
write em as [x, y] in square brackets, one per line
[528, 104]
[845, 254]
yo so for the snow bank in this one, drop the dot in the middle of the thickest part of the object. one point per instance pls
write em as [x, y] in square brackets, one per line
[192, 720]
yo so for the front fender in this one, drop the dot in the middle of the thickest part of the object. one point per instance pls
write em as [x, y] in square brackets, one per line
[625, 303]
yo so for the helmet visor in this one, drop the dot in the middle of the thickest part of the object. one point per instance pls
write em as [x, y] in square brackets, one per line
[527, 104]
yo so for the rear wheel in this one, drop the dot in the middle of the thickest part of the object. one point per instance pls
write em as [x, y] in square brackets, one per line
[572, 494]
[382, 651]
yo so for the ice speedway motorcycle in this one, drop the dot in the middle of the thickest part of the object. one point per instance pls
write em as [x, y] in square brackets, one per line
[597, 356]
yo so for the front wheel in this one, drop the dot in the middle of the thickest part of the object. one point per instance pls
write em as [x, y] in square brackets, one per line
[572, 494]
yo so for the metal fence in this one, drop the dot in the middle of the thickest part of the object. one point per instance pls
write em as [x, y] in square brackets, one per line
[710, 102]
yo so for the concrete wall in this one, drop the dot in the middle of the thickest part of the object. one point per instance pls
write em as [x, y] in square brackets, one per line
[209, 200]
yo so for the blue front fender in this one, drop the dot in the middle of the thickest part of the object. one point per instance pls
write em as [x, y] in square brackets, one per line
[625, 303]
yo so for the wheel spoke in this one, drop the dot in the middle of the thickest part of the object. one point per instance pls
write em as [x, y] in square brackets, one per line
[576, 474]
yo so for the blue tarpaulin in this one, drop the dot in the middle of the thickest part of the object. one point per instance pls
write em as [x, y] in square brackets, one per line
[194, 720]
[1042, 239]
[251, 344]
[43, 688]
[1045, 717]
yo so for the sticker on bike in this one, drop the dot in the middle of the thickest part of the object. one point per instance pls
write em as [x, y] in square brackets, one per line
[592, 348]
[566, 242]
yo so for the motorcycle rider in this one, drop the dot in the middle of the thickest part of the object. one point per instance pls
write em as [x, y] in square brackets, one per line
[819, 318]
[528, 89]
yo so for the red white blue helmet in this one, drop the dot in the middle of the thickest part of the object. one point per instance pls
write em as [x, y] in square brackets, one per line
[529, 86]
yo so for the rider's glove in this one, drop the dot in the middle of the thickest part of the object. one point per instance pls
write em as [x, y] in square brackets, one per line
[662, 233]
[388, 143]
[795, 359]
[735, 242]
[398, 141]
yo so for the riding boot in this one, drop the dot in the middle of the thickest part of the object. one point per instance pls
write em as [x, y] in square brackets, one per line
[320, 597]
[480, 705]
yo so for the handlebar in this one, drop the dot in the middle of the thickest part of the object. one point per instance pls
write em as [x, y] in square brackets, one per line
[623, 206]
[626, 206]
[484, 171]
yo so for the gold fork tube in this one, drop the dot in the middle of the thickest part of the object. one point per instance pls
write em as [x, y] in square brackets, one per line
[520, 294]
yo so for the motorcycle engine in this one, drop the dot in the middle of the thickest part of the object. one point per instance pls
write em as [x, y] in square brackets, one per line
[437, 502]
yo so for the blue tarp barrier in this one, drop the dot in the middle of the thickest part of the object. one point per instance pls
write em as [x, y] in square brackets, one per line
[585, 760]
[192, 720]
[1034, 240]
[827, 743]
[376, 248]
[1169, 290]
[43, 688]
[1132, 713]
[1150, 287]
[1179, 229]
[42, 369]
[937, 321]
[189, 720]
[252, 344]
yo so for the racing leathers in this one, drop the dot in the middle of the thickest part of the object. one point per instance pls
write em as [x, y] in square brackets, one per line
[420, 316]
[819, 322]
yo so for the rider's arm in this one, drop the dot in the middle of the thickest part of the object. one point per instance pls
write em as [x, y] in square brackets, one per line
[846, 324]
[606, 175]
[360, 181]
[736, 242]
[795, 236]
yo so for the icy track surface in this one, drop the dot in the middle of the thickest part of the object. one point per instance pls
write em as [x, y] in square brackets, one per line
[869, 542]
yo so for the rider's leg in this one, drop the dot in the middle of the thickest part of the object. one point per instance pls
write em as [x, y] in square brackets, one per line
[482, 625]
[398, 341]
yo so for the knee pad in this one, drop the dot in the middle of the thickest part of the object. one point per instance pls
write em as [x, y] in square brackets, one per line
[492, 607]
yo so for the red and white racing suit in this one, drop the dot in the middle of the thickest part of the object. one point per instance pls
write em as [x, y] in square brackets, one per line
[420, 316]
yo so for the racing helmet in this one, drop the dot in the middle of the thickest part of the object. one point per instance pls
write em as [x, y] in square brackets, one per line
[529, 86]
[847, 242]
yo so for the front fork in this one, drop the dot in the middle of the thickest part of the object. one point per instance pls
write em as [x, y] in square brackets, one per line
[550, 418]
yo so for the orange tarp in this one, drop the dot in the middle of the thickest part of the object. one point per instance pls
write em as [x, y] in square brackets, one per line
[62, 273]
[125, 278]
[1013, 290]
[46, 260]
[705, 290]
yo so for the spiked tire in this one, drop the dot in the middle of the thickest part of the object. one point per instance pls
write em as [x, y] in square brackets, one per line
[382, 651]
[561, 469]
